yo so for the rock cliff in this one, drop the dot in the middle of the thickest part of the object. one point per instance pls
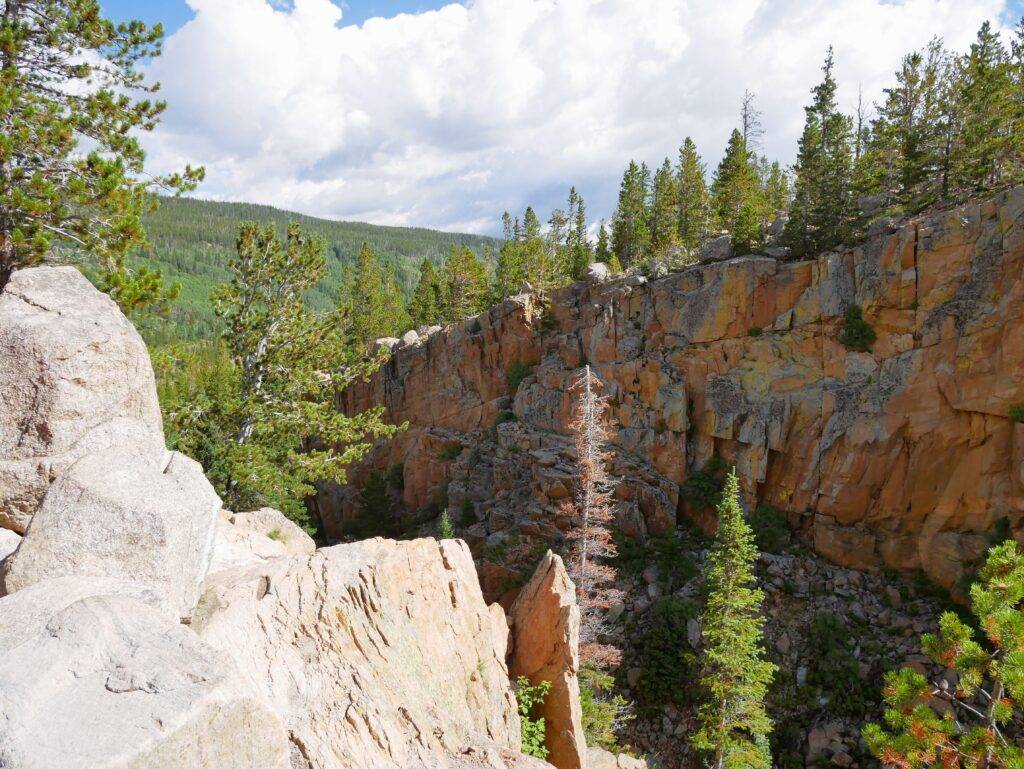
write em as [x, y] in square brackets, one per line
[904, 455]
[141, 626]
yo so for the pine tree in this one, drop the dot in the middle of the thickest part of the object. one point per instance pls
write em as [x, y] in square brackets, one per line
[71, 164]
[664, 211]
[603, 252]
[371, 303]
[822, 212]
[580, 254]
[398, 314]
[775, 188]
[734, 726]
[465, 285]
[970, 729]
[591, 538]
[509, 273]
[694, 220]
[425, 305]
[630, 234]
[736, 196]
[289, 364]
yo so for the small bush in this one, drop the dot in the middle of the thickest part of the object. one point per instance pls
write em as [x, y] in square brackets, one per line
[504, 416]
[444, 526]
[276, 534]
[665, 550]
[467, 513]
[600, 708]
[833, 669]
[770, 528]
[756, 331]
[450, 452]
[1016, 412]
[517, 372]
[528, 698]
[395, 476]
[475, 327]
[857, 332]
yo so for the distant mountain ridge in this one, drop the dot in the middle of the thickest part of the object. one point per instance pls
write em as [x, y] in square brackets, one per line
[192, 240]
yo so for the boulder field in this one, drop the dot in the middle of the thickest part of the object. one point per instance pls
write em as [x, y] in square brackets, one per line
[141, 626]
[904, 455]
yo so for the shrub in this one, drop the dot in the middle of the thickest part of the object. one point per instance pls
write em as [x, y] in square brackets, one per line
[756, 331]
[528, 698]
[517, 372]
[600, 708]
[467, 513]
[664, 550]
[857, 332]
[276, 534]
[667, 671]
[833, 669]
[703, 487]
[475, 327]
[450, 452]
[396, 476]
[1016, 412]
[444, 526]
[771, 530]
[504, 416]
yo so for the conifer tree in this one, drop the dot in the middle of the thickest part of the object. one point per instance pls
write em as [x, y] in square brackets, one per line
[71, 165]
[580, 254]
[736, 195]
[775, 187]
[509, 273]
[694, 219]
[970, 729]
[465, 285]
[425, 304]
[734, 726]
[630, 233]
[370, 299]
[398, 314]
[664, 211]
[822, 214]
[602, 252]
[289, 363]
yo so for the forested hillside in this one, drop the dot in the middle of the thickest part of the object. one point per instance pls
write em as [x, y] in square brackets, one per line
[193, 239]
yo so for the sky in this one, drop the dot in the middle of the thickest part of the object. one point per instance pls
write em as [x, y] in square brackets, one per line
[421, 113]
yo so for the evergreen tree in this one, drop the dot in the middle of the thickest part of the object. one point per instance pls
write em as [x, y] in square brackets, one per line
[425, 305]
[603, 252]
[580, 254]
[970, 728]
[664, 211]
[694, 219]
[822, 214]
[509, 273]
[734, 726]
[398, 315]
[69, 77]
[465, 285]
[630, 234]
[736, 195]
[776, 190]
[289, 364]
[371, 299]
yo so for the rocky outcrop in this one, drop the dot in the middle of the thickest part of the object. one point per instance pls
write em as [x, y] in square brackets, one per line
[545, 647]
[247, 538]
[91, 677]
[75, 379]
[904, 455]
[118, 514]
[376, 654]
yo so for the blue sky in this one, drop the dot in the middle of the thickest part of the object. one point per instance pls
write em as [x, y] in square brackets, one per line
[448, 119]
[174, 13]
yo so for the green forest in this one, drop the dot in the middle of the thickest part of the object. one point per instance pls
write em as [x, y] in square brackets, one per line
[192, 241]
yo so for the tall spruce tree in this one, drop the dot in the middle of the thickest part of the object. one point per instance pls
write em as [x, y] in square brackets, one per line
[694, 219]
[375, 309]
[736, 195]
[664, 211]
[465, 285]
[72, 102]
[822, 212]
[734, 726]
[630, 233]
[580, 252]
[425, 304]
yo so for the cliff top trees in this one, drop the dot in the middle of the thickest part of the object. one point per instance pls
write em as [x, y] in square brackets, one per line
[969, 730]
[289, 363]
[425, 304]
[694, 201]
[630, 233]
[734, 726]
[736, 195]
[374, 299]
[464, 289]
[68, 76]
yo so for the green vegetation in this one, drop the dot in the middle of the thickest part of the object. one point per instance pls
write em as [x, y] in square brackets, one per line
[735, 675]
[444, 526]
[72, 176]
[970, 727]
[771, 530]
[833, 670]
[450, 452]
[667, 668]
[601, 708]
[276, 534]
[258, 410]
[517, 372]
[703, 487]
[857, 332]
[529, 698]
[193, 241]
[666, 551]
[1016, 412]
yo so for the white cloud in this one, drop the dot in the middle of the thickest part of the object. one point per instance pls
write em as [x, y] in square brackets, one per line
[447, 118]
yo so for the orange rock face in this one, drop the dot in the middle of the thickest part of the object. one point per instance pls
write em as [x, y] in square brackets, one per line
[902, 456]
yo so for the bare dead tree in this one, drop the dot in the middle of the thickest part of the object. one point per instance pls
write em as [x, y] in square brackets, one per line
[591, 538]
